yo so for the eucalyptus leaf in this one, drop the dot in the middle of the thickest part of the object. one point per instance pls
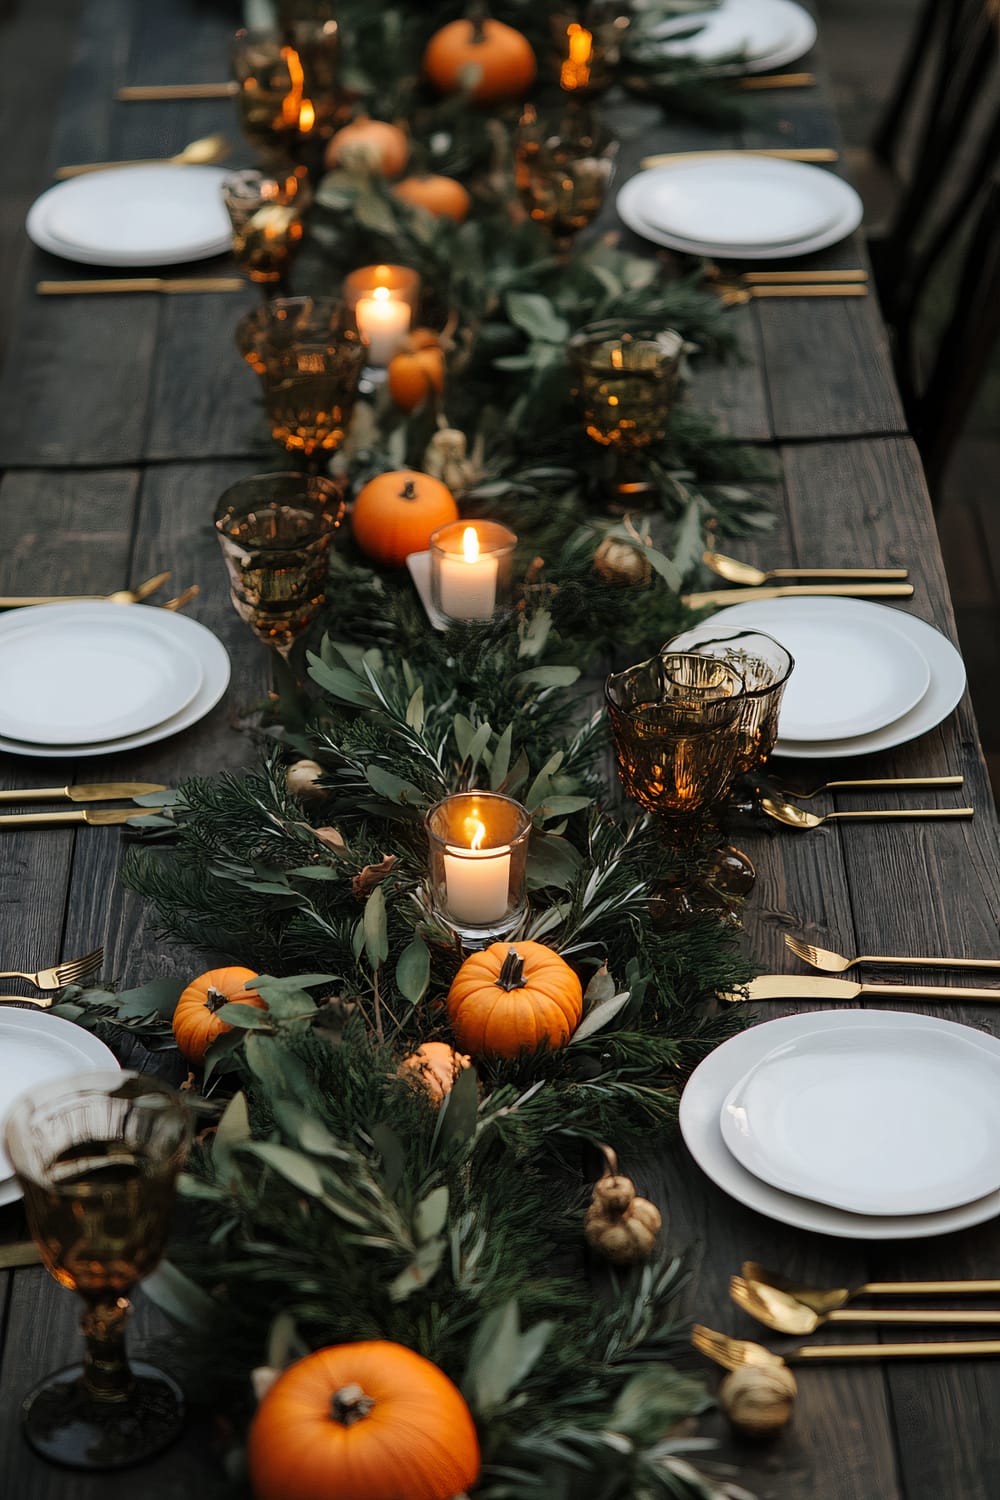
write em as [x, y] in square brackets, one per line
[415, 709]
[602, 1015]
[552, 861]
[456, 1121]
[423, 1268]
[546, 677]
[245, 1017]
[394, 788]
[233, 1127]
[465, 732]
[218, 1048]
[179, 1297]
[536, 316]
[431, 1214]
[292, 1165]
[501, 759]
[340, 684]
[413, 971]
[654, 1400]
[376, 929]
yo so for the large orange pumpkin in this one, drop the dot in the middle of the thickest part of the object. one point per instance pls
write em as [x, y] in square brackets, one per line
[505, 59]
[417, 371]
[385, 147]
[441, 196]
[513, 996]
[366, 1421]
[196, 1024]
[395, 513]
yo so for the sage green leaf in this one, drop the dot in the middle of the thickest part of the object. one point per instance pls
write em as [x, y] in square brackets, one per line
[246, 1017]
[394, 788]
[291, 1165]
[518, 774]
[601, 987]
[654, 1400]
[277, 1069]
[160, 995]
[358, 939]
[376, 929]
[501, 1356]
[179, 1297]
[552, 861]
[480, 740]
[546, 677]
[456, 1121]
[424, 1266]
[667, 570]
[465, 732]
[269, 988]
[534, 634]
[602, 1015]
[536, 316]
[501, 759]
[415, 709]
[413, 971]
[513, 362]
[233, 1128]
[284, 1342]
[560, 807]
[374, 213]
[541, 786]
[431, 1214]
[340, 684]
[315, 872]
[218, 1048]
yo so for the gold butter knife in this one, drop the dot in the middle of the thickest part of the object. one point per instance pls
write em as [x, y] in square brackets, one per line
[781, 153]
[812, 987]
[795, 590]
[101, 791]
[95, 817]
[142, 284]
[777, 81]
[152, 91]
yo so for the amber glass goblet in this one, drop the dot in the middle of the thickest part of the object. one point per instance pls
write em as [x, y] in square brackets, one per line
[309, 356]
[267, 218]
[626, 383]
[289, 100]
[275, 531]
[97, 1156]
[765, 667]
[562, 171]
[586, 44]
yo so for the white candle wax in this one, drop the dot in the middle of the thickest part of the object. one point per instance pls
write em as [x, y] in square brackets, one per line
[383, 321]
[477, 882]
[468, 584]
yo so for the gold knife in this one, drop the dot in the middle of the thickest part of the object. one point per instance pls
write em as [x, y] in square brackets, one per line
[96, 817]
[796, 590]
[147, 91]
[167, 284]
[100, 791]
[812, 987]
[781, 153]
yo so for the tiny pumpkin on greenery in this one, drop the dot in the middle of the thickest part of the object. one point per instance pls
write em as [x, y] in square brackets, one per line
[435, 1067]
[504, 57]
[196, 1023]
[441, 196]
[417, 371]
[373, 144]
[366, 1421]
[619, 1224]
[511, 997]
[395, 513]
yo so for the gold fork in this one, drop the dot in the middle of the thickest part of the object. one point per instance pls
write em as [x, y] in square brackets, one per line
[184, 597]
[60, 974]
[120, 596]
[836, 963]
[886, 781]
[44, 1002]
[732, 1354]
[784, 1313]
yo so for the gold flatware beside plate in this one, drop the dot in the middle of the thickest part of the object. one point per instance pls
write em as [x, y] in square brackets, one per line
[167, 284]
[145, 92]
[810, 987]
[42, 1002]
[798, 818]
[836, 963]
[784, 1313]
[792, 278]
[883, 781]
[782, 153]
[825, 1299]
[735, 571]
[98, 791]
[778, 81]
[184, 597]
[732, 1354]
[97, 817]
[735, 296]
[202, 152]
[67, 972]
[120, 596]
[722, 597]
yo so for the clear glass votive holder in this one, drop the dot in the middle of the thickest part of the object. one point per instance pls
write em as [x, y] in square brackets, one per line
[478, 864]
[765, 666]
[676, 725]
[385, 301]
[471, 568]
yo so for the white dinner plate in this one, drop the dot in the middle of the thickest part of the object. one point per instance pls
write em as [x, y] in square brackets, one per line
[849, 211]
[710, 1083]
[35, 1048]
[75, 678]
[739, 199]
[947, 670]
[206, 647]
[134, 216]
[770, 32]
[873, 1119]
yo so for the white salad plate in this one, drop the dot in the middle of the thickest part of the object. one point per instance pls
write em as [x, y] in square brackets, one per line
[770, 33]
[710, 1084]
[183, 632]
[736, 198]
[134, 216]
[36, 1048]
[72, 678]
[875, 1119]
[780, 617]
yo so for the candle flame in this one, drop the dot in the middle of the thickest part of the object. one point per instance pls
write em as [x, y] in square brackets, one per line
[307, 116]
[381, 294]
[575, 70]
[470, 544]
[475, 832]
[293, 99]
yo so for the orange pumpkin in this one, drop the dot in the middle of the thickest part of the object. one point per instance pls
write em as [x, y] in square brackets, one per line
[395, 513]
[513, 996]
[196, 1024]
[417, 371]
[435, 1066]
[383, 147]
[504, 57]
[441, 196]
[365, 1421]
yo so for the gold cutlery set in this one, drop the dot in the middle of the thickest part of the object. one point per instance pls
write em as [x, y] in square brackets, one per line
[93, 817]
[758, 583]
[70, 971]
[137, 595]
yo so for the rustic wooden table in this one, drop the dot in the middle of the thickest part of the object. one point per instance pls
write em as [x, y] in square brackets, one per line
[122, 419]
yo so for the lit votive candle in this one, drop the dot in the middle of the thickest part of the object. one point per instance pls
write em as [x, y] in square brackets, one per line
[478, 849]
[470, 568]
[383, 322]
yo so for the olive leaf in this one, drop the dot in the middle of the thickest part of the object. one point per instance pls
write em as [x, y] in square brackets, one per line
[376, 929]
[413, 971]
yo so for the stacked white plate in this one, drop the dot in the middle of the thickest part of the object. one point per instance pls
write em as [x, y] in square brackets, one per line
[158, 215]
[36, 1048]
[864, 1124]
[737, 205]
[768, 34]
[94, 678]
[866, 677]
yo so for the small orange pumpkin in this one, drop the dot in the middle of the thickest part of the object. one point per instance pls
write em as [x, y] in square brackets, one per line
[441, 196]
[383, 147]
[365, 1421]
[196, 1024]
[512, 996]
[395, 513]
[504, 56]
[435, 1066]
[417, 371]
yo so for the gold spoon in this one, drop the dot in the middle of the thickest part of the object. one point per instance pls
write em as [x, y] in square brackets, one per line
[735, 571]
[823, 1300]
[786, 1314]
[797, 817]
[202, 152]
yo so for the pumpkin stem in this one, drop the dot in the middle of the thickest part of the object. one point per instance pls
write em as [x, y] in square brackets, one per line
[215, 999]
[477, 15]
[511, 976]
[350, 1405]
[408, 492]
[610, 1157]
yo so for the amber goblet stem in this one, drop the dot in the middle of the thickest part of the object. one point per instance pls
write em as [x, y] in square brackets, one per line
[107, 1374]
